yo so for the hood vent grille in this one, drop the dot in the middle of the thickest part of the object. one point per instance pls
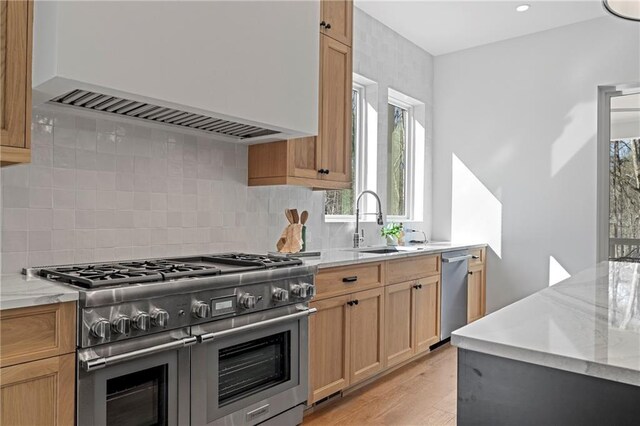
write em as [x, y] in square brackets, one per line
[144, 111]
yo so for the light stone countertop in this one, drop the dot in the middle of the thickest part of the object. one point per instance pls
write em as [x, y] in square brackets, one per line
[19, 291]
[343, 257]
[587, 324]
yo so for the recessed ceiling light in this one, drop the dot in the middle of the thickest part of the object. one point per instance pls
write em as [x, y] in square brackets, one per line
[523, 8]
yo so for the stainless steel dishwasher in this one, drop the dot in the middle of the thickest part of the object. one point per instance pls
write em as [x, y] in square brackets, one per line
[453, 307]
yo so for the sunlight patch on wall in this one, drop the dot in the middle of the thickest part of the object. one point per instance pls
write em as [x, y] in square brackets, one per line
[580, 128]
[476, 214]
[557, 272]
[418, 178]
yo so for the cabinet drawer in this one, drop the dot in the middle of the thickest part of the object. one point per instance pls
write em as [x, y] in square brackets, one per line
[478, 256]
[412, 268]
[28, 334]
[347, 279]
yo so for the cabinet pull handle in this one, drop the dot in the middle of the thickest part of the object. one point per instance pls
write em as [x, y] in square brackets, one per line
[352, 279]
[470, 272]
[323, 171]
[323, 24]
[327, 27]
[326, 171]
[415, 286]
[355, 302]
[475, 257]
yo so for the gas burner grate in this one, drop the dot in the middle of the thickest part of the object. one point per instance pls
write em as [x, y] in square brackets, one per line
[99, 275]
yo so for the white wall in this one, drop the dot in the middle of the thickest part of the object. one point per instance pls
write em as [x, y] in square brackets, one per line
[520, 116]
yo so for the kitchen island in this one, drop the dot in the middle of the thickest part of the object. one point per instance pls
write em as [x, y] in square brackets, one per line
[569, 354]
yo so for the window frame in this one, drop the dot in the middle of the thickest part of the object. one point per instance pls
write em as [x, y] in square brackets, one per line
[409, 199]
[361, 151]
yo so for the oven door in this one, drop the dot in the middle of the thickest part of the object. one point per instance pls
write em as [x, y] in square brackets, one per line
[144, 381]
[248, 369]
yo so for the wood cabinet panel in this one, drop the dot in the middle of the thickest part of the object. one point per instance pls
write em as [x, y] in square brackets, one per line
[39, 392]
[478, 256]
[399, 322]
[328, 348]
[15, 80]
[412, 268]
[338, 17]
[348, 279]
[427, 313]
[366, 335]
[475, 293]
[32, 333]
[334, 133]
[304, 157]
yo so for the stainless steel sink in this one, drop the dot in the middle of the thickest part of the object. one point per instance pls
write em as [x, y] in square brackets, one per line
[384, 250]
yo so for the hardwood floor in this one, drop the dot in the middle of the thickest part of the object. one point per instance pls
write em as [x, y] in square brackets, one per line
[422, 392]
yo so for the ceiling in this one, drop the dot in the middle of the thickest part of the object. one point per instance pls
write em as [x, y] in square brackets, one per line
[441, 27]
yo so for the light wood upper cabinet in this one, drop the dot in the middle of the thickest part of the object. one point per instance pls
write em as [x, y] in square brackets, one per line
[399, 322]
[337, 20]
[322, 161]
[39, 392]
[475, 293]
[329, 357]
[15, 81]
[366, 334]
[334, 138]
[427, 312]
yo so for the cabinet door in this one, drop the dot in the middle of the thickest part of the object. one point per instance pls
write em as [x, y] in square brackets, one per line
[427, 308]
[15, 80]
[475, 293]
[39, 392]
[337, 16]
[334, 137]
[328, 348]
[367, 334]
[303, 154]
[399, 320]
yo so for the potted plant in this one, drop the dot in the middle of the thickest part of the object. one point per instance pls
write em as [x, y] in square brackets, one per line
[392, 232]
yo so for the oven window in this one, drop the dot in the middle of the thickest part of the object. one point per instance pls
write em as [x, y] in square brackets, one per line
[251, 367]
[138, 398]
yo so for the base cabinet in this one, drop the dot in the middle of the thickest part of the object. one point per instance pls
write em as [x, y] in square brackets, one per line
[476, 292]
[374, 316]
[37, 365]
[39, 392]
[412, 318]
[329, 347]
[366, 334]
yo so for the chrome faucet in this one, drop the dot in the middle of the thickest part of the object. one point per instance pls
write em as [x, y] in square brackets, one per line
[358, 238]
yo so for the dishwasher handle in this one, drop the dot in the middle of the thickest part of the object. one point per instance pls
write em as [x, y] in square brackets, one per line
[457, 258]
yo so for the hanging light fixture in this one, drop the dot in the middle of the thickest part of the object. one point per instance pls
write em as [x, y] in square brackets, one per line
[626, 9]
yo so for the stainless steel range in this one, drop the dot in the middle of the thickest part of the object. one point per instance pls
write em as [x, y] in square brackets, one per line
[212, 339]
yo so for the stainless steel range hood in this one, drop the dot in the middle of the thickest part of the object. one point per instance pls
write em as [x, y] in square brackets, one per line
[153, 113]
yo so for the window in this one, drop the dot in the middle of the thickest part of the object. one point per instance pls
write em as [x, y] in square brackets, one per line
[342, 202]
[397, 160]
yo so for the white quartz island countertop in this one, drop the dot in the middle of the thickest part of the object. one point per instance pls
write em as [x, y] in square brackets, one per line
[19, 291]
[345, 256]
[587, 324]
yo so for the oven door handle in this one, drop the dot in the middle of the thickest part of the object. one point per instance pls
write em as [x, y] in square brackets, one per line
[208, 337]
[101, 362]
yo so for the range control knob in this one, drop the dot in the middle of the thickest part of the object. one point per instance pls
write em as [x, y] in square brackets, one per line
[280, 295]
[303, 290]
[142, 321]
[201, 309]
[299, 291]
[311, 289]
[101, 329]
[160, 318]
[121, 325]
[247, 301]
